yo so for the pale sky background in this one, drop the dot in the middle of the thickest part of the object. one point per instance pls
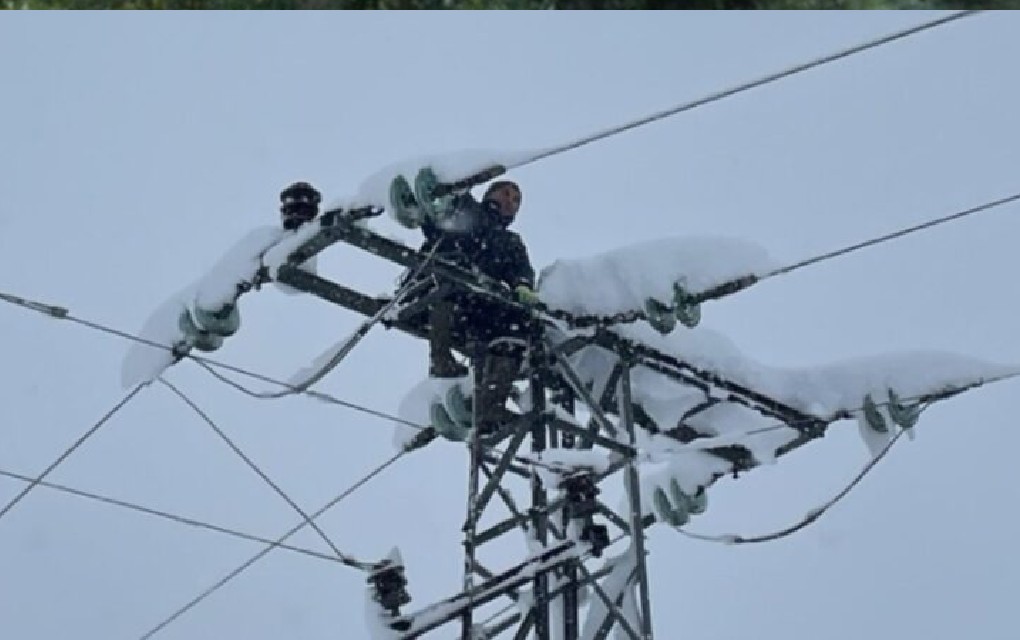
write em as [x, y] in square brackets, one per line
[137, 147]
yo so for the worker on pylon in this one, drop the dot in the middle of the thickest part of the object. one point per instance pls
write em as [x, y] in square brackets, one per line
[479, 239]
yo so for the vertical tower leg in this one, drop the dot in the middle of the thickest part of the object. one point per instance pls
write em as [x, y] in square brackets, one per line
[634, 492]
[539, 500]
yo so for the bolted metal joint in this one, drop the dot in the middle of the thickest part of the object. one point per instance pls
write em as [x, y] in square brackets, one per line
[581, 505]
[597, 535]
[581, 493]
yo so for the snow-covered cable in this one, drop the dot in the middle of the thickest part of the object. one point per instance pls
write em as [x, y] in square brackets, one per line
[719, 95]
[261, 554]
[67, 452]
[343, 557]
[166, 515]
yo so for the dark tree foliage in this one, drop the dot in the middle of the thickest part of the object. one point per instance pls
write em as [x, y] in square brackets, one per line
[510, 4]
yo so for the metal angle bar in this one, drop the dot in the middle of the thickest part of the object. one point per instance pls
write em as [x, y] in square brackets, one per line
[451, 608]
[634, 491]
[508, 500]
[760, 401]
[528, 620]
[613, 608]
[613, 517]
[539, 500]
[480, 569]
[613, 445]
[501, 626]
[607, 624]
[329, 291]
[525, 629]
[572, 378]
[508, 525]
[571, 614]
[501, 467]
[515, 469]
[573, 344]
[471, 521]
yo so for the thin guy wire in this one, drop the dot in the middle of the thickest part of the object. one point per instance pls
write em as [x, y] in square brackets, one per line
[743, 87]
[261, 554]
[166, 515]
[344, 558]
[67, 452]
[208, 364]
[63, 313]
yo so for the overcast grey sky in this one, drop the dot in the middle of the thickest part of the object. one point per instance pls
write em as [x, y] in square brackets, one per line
[136, 147]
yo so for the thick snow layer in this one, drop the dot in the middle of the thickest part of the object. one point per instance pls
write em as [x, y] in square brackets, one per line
[376, 619]
[277, 255]
[144, 363]
[555, 464]
[821, 390]
[621, 280]
[239, 264]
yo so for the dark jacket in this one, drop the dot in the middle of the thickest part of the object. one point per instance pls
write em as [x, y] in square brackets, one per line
[486, 244]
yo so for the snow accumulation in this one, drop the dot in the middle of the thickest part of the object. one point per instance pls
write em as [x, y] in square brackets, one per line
[612, 282]
[448, 167]
[621, 280]
[270, 246]
[218, 286]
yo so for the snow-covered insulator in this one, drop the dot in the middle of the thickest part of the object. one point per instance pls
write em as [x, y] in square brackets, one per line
[873, 416]
[674, 514]
[389, 587]
[686, 310]
[677, 507]
[403, 204]
[224, 321]
[195, 336]
[905, 416]
[698, 501]
[437, 208]
[660, 316]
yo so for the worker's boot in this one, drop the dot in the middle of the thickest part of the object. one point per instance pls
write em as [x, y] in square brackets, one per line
[498, 377]
[441, 361]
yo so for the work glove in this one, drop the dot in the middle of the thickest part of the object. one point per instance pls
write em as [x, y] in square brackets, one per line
[526, 295]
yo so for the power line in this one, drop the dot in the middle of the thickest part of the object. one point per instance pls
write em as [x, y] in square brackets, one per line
[166, 515]
[687, 106]
[344, 558]
[208, 364]
[891, 236]
[62, 313]
[261, 554]
[67, 452]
